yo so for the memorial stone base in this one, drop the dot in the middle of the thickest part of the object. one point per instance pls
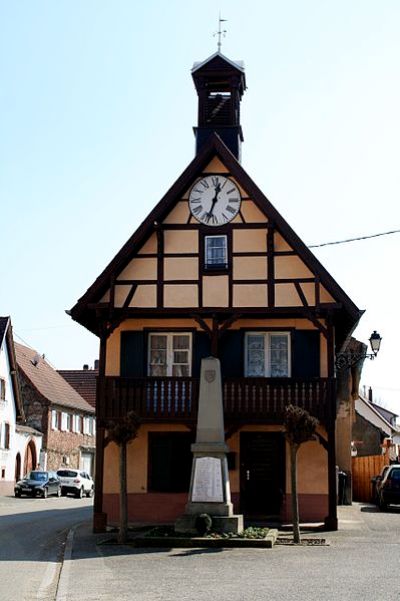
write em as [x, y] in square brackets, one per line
[186, 524]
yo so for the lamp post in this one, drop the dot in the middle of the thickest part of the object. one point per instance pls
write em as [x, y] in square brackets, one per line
[349, 358]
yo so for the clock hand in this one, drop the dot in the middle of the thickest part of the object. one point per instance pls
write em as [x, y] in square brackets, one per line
[214, 200]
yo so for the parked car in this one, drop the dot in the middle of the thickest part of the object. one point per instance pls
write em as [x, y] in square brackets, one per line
[389, 488]
[76, 482]
[38, 483]
[376, 482]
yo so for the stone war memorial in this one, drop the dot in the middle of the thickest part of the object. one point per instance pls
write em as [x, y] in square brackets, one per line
[209, 491]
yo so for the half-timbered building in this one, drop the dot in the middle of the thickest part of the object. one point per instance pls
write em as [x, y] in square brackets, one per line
[215, 270]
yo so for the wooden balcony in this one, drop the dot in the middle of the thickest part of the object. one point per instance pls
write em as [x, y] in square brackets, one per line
[246, 400]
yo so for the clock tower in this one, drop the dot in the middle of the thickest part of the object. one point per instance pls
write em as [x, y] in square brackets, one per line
[220, 84]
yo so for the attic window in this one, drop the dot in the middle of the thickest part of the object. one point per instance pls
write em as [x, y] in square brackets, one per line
[216, 252]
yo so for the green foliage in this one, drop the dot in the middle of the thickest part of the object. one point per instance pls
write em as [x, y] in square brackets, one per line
[252, 532]
[300, 426]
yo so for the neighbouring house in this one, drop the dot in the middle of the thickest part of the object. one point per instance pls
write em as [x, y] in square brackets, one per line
[83, 380]
[19, 444]
[215, 270]
[52, 406]
[374, 431]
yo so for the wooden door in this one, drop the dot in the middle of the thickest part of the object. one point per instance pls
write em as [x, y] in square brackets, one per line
[262, 473]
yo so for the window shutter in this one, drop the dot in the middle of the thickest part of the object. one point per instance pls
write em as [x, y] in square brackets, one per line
[306, 352]
[231, 353]
[6, 435]
[201, 349]
[132, 354]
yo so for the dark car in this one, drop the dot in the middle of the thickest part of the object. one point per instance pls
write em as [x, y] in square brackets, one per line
[38, 484]
[389, 488]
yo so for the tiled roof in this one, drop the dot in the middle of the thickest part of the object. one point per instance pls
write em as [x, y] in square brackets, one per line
[48, 381]
[3, 328]
[84, 382]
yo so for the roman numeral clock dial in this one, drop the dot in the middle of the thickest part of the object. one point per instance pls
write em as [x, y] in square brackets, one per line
[214, 200]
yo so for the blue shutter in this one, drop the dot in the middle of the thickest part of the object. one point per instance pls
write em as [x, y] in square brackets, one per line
[133, 359]
[306, 353]
[231, 353]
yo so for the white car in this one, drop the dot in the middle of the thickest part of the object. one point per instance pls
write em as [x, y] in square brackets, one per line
[76, 482]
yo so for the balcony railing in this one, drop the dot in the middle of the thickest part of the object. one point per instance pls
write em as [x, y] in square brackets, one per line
[255, 400]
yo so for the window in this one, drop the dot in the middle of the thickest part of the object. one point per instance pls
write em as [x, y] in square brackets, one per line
[64, 421]
[2, 389]
[215, 252]
[77, 424]
[170, 354]
[54, 419]
[69, 422]
[6, 435]
[88, 425]
[267, 355]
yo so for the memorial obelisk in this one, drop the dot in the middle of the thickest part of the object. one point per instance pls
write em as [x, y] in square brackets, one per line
[209, 484]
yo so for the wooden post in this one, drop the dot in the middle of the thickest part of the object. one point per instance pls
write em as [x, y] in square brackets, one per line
[331, 521]
[99, 517]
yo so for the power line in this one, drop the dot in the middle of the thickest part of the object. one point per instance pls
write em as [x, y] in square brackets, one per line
[354, 239]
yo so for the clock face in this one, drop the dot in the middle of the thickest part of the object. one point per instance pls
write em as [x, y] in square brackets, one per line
[214, 200]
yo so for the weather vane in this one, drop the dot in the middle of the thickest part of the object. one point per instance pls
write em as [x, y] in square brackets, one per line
[221, 32]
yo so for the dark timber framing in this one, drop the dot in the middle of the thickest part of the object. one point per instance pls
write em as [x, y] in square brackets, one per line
[334, 320]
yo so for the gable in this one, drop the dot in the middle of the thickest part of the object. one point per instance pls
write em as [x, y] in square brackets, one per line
[161, 266]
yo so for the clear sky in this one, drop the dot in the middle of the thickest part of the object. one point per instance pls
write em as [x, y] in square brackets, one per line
[96, 113]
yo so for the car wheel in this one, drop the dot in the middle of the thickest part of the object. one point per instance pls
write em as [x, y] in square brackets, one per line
[17, 494]
[90, 493]
[79, 494]
[45, 493]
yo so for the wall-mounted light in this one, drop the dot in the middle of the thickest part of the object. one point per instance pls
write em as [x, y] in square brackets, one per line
[349, 358]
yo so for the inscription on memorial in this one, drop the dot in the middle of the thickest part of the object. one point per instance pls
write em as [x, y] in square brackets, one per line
[207, 481]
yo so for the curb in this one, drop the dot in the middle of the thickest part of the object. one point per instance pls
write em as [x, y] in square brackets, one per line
[63, 581]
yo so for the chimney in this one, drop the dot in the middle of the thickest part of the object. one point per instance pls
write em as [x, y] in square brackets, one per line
[86, 367]
[96, 364]
[370, 397]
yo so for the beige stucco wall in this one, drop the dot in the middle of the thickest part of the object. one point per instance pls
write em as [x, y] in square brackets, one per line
[312, 462]
[181, 241]
[181, 295]
[181, 268]
[140, 269]
[251, 213]
[215, 166]
[250, 240]
[250, 295]
[249, 268]
[145, 296]
[216, 291]
[179, 214]
[291, 267]
[286, 295]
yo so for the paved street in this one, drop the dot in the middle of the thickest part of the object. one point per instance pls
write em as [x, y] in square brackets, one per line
[361, 562]
[32, 537]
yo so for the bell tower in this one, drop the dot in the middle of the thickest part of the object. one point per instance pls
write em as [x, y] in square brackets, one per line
[220, 84]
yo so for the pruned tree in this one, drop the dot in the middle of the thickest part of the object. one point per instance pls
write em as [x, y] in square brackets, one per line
[300, 427]
[122, 433]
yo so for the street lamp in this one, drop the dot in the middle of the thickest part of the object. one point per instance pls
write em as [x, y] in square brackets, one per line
[349, 358]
